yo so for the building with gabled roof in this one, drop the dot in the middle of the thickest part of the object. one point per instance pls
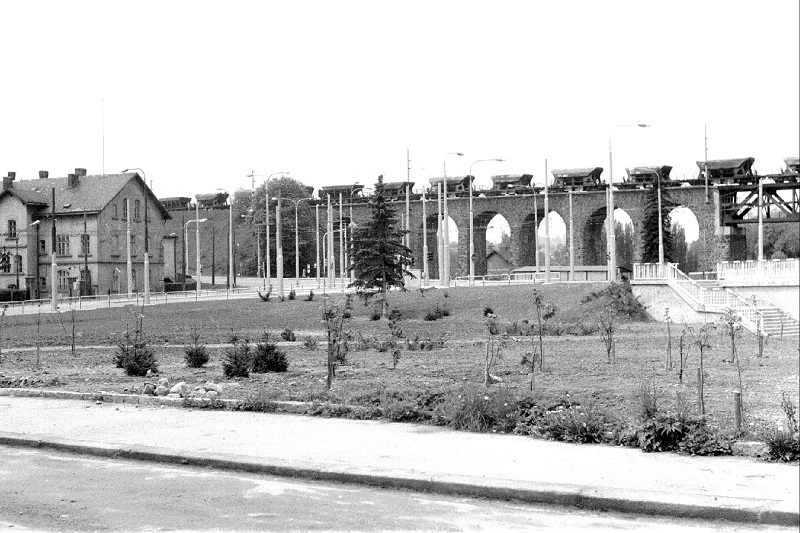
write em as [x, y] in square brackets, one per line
[91, 214]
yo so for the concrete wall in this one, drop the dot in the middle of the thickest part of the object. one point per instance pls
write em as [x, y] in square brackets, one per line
[786, 297]
[657, 297]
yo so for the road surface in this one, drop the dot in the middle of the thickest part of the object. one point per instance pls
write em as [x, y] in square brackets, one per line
[49, 491]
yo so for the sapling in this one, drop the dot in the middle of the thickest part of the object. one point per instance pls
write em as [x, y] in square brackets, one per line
[733, 324]
[493, 350]
[702, 339]
[335, 320]
[607, 334]
[544, 312]
[683, 353]
[668, 320]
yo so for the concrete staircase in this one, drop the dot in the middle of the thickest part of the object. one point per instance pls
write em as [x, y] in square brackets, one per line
[777, 323]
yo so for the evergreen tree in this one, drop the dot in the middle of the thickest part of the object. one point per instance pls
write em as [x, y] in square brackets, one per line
[380, 260]
[650, 226]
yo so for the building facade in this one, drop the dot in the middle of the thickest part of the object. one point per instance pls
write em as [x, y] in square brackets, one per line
[99, 221]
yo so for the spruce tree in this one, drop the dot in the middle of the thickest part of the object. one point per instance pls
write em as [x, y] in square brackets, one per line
[380, 260]
[650, 226]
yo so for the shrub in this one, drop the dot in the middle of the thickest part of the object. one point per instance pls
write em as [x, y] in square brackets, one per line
[784, 443]
[570, 422]
[238, 360]
[196, 353]
[310, 297]
[292, 294]
[375, 314]
[474, 408]
[620, 298]
[288, 335]
[310, 344]
[431, 316]
[488, 311]
[268, 358]
[265, 297]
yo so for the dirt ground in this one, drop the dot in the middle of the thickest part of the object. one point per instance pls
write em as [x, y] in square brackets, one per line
[575, 365]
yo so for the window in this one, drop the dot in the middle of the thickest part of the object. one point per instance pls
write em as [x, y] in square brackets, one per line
[5, 261]
[85, 244]
[115, 281]
[136, 209]
[62, 245]
[133, 280]
[12, 229]
[42, 283]
[42, 247]
[115, 245]
[114, 211]
[133, 245]
[63, 280]
[125, 209]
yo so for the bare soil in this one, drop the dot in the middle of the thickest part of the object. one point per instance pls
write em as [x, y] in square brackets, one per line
[575, 365]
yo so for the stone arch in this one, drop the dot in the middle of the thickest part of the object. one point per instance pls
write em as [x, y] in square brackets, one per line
[593, 237]
[558, 239]
[685, 230]
[455, 235]
[481, 225]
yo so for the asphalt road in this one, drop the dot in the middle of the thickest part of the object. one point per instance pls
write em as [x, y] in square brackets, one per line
[46, 491]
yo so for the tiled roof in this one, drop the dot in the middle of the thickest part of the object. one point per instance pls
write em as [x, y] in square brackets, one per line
[92, 193]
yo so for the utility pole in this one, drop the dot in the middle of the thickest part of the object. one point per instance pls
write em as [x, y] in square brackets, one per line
[571, 241]
[183, 251]
[53, 273]
[546, 228]
[129, 261]
[705, 160]
[536, 230]
[213, 255]
[408, 199]
[197, 245]
[424, 240]
[87, 291]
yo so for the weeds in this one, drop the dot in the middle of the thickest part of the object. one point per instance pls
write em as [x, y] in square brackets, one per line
[783, 444]
[288, 335]
[474, 409]
[310, 344]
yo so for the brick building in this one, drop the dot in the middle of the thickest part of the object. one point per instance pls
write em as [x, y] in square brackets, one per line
[91, 217]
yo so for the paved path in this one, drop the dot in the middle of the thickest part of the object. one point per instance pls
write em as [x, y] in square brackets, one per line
[414, 456]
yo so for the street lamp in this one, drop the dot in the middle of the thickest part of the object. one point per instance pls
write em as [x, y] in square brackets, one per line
[231, 283]
[185, 238]
[296, 236]
[611, 237]
[266, 211]
[146, 243]
[471, 222]
[446, 236]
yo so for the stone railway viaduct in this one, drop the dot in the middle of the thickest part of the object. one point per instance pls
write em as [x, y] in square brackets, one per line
[716, 242]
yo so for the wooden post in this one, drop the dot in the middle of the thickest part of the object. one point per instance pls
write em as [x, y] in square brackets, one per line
[737, 414]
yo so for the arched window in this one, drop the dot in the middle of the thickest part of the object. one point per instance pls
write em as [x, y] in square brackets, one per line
[136, 210]
[12, 229]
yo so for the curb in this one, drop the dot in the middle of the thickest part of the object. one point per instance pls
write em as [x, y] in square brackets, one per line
[549, 496]
[553, 495]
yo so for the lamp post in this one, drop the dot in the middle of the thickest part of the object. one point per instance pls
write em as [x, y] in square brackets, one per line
[185, 238]
[446, 229]
[231, 282]
[296, 238]
[146, 243]
[266, 202]
[316, 234]
[611, 238]
[471, 222]
[424, 240]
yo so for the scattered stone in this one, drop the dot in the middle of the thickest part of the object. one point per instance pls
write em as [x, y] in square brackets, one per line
[149, 388]
[212, 395]
[199, 392]
[161, 390]
[210, 385]
[163, 382]
[173, 395]
[178, 388]
[749, 448]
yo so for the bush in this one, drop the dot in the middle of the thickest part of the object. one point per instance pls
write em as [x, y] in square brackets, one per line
[783, 446]
[310, 344]
[134, 356]
[474, 408]
[431, 316]
[288, 335]
[310, 297]
[375, 314]
[268, 358]
[570, 422]
[292, 294]
[196, 353]
[238, 360]
[437, 313]
[488, 311]
[620, 298]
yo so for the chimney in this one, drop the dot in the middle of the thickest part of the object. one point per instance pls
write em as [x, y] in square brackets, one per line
[80, 172]
[8, 182]
[43, 174]
[72, 180]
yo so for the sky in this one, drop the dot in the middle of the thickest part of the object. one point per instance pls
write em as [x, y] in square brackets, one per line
[201, 94]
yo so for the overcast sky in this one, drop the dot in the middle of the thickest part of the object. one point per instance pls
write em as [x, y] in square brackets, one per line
[199, 94]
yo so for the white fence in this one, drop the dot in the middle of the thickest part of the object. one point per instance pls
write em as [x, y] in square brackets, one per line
[773, 269]
[712, 300]
[519, 278]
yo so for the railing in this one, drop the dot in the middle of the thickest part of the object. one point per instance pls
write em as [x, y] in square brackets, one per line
[712, 300]
[775, 268]
[514, 278]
